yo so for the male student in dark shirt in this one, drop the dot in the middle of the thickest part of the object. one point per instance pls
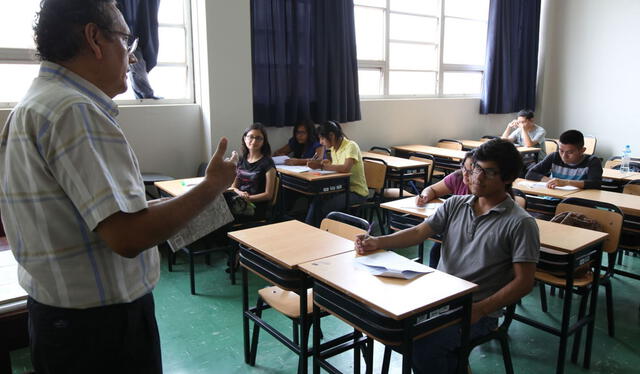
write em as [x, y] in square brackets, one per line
[569, 166]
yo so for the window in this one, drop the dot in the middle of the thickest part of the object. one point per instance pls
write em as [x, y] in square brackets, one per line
[421, 47]
[171, 78]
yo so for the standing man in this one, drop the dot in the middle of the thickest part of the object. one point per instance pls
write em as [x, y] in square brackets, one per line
[524, 132]
[488, 239]
[73, 200]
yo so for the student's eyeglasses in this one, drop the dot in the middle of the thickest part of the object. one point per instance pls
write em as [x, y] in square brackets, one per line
[256, 138]
[489, 173]
[129, 40]
[465, 170]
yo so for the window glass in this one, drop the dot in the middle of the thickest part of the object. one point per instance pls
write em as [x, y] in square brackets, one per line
[172, 49]
[412, 83]
[474, 9]
[370, 81]
[464, 41]
[16, 23]
[462, 83]
[409, 56]
[413, 28]
[16, 79]
[369, 33]
[427, 7]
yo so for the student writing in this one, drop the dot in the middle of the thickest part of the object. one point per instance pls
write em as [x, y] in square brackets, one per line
[569, 166]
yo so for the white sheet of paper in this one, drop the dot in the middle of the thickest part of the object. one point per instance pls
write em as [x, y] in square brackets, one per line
[294, 168]
[544, 185]
[391, 264]
[279, 160]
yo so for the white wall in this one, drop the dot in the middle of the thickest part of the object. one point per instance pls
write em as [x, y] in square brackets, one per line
[592, 72]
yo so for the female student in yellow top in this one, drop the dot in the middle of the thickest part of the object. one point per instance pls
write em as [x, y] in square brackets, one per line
[345, 158]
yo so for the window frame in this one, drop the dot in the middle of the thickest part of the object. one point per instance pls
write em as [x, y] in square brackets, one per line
[441, 67]
[28, 56]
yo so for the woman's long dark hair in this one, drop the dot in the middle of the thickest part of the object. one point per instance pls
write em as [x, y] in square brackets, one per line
[329, 127]
[265, 149]
[300, 149]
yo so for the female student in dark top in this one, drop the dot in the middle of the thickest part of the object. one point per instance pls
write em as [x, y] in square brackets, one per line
[345, 158]
[303, 144]
[256, 173]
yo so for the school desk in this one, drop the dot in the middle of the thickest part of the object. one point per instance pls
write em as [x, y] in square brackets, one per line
[274, 252]
[393, 311]
[402, 169]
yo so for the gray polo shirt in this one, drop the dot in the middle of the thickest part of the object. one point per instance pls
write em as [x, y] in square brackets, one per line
[483, 249]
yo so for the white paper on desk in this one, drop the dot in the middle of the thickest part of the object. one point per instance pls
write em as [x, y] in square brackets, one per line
[318, 171]
[279, 160]
[294, 168]
[391, 264]
[531, 184]
[428, 206]
[544, 185]
[214, 216]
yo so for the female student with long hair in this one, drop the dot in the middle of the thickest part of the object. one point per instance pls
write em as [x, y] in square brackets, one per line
[256, 173]
[302, 146]
[345, 158]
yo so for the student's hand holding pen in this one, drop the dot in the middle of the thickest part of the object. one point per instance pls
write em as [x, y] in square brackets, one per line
[365, 242]
[423, 198]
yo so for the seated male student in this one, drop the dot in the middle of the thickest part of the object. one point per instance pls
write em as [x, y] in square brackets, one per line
[524, 132]
[569, 166]
[488, 240]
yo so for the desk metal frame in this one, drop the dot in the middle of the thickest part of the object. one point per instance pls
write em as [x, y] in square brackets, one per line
[571, 262]
[385, 329]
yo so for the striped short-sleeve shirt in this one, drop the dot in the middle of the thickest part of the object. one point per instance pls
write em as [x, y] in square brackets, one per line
[66, 166]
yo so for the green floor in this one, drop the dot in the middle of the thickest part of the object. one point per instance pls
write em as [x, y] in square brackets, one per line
[203, 333]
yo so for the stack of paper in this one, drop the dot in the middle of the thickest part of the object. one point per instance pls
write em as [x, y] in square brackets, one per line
[391, 264]
[530, 184]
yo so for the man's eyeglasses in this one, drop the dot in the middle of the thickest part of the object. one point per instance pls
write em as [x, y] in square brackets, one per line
[489, 173]
[256, 138]
[129, 40]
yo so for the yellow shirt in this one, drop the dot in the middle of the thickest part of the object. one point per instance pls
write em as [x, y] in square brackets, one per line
[349, 149]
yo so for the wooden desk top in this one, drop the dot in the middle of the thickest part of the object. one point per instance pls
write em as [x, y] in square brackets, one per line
[397, 162]
[394, 297]
[408, 206]
[311, 176]
[567, 238]
[617, 175]
[471, 144]
[292, 242]
[177, 187]
[426, 149]
[10, 289]
[629, 204]
[543, 191]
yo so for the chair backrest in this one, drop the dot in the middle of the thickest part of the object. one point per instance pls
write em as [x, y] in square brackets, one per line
[429, 160]
[632, 188]
[612, 162]
[276, 190]
[380, 150]
[589, 143]
[344, 225]
[609, 216]
[450, 144]
[375, 172]
[520, 198]
[550, 146]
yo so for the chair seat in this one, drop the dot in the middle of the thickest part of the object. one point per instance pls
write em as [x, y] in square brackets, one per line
[285, 302]
[562, 282]
[394, 193]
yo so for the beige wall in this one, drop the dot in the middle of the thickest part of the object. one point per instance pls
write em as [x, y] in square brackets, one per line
[592, 73]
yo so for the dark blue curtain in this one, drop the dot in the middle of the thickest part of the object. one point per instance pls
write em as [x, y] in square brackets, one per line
[142, 18]
[512, 56]
[304, 61]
